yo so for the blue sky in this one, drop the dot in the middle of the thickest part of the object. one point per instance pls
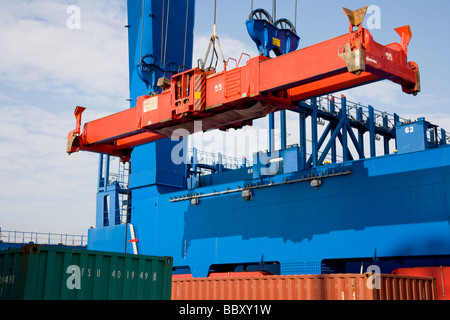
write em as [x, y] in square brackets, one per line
[46, 70]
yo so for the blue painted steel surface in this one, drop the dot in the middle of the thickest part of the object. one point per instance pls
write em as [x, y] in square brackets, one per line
[392, 206]
[310, 217]
[416, 136]
[111, 192]
[269, 36]
[160, 37]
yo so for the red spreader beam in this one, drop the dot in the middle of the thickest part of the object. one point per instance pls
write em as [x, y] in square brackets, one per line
[234, 97]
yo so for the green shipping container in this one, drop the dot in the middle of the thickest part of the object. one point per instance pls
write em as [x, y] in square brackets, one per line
[52, 273]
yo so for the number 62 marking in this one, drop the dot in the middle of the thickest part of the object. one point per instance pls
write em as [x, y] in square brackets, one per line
[409, 129]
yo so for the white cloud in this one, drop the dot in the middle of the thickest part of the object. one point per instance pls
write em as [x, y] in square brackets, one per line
[42, 187]
[378, 94]
[39, 52]
[43, 63]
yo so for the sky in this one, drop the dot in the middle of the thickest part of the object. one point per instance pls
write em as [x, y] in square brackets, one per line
[47, 69]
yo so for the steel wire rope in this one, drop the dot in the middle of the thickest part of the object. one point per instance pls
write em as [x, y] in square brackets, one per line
[295, 20]
[142, 30]
[185, 35]
[215, 36]
[162, 29]
[167, 29]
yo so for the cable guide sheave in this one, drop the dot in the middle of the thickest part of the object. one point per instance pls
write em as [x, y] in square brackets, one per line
[234, 97]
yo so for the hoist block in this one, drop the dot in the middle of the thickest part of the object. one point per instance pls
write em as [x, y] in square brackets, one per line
[279, 37]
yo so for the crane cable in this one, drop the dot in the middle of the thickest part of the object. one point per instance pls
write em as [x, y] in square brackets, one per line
[163, 38]
[185, 35]
[295, 21]
[162, 29]
[142, 31]
[274, 10]
[212, 42]
[167, 28]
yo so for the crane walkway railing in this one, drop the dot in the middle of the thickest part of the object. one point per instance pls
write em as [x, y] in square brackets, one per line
[42, 238]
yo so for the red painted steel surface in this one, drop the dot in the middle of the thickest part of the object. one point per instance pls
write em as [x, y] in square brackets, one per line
[305, 287]
[234, 98]
[441, 274]
[226, 275]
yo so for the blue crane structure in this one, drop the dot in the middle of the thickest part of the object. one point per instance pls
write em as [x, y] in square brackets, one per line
[340, 207]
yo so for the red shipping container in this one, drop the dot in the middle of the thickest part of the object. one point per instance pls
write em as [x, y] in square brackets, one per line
[305, 287]
[225, 274]
[441, 274]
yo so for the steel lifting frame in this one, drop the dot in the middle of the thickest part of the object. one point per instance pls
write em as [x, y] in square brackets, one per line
[234, 97]
[344, 118]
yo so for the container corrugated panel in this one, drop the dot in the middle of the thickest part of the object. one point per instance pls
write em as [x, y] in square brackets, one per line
[441, 274]
[50, 273]
[306, 287]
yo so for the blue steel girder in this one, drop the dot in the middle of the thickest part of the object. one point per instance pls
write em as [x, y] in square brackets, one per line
[341, 125]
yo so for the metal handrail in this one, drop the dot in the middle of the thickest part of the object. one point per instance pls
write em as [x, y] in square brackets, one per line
[42, 238]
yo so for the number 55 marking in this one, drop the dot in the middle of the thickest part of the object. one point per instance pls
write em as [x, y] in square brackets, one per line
[218, 88]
